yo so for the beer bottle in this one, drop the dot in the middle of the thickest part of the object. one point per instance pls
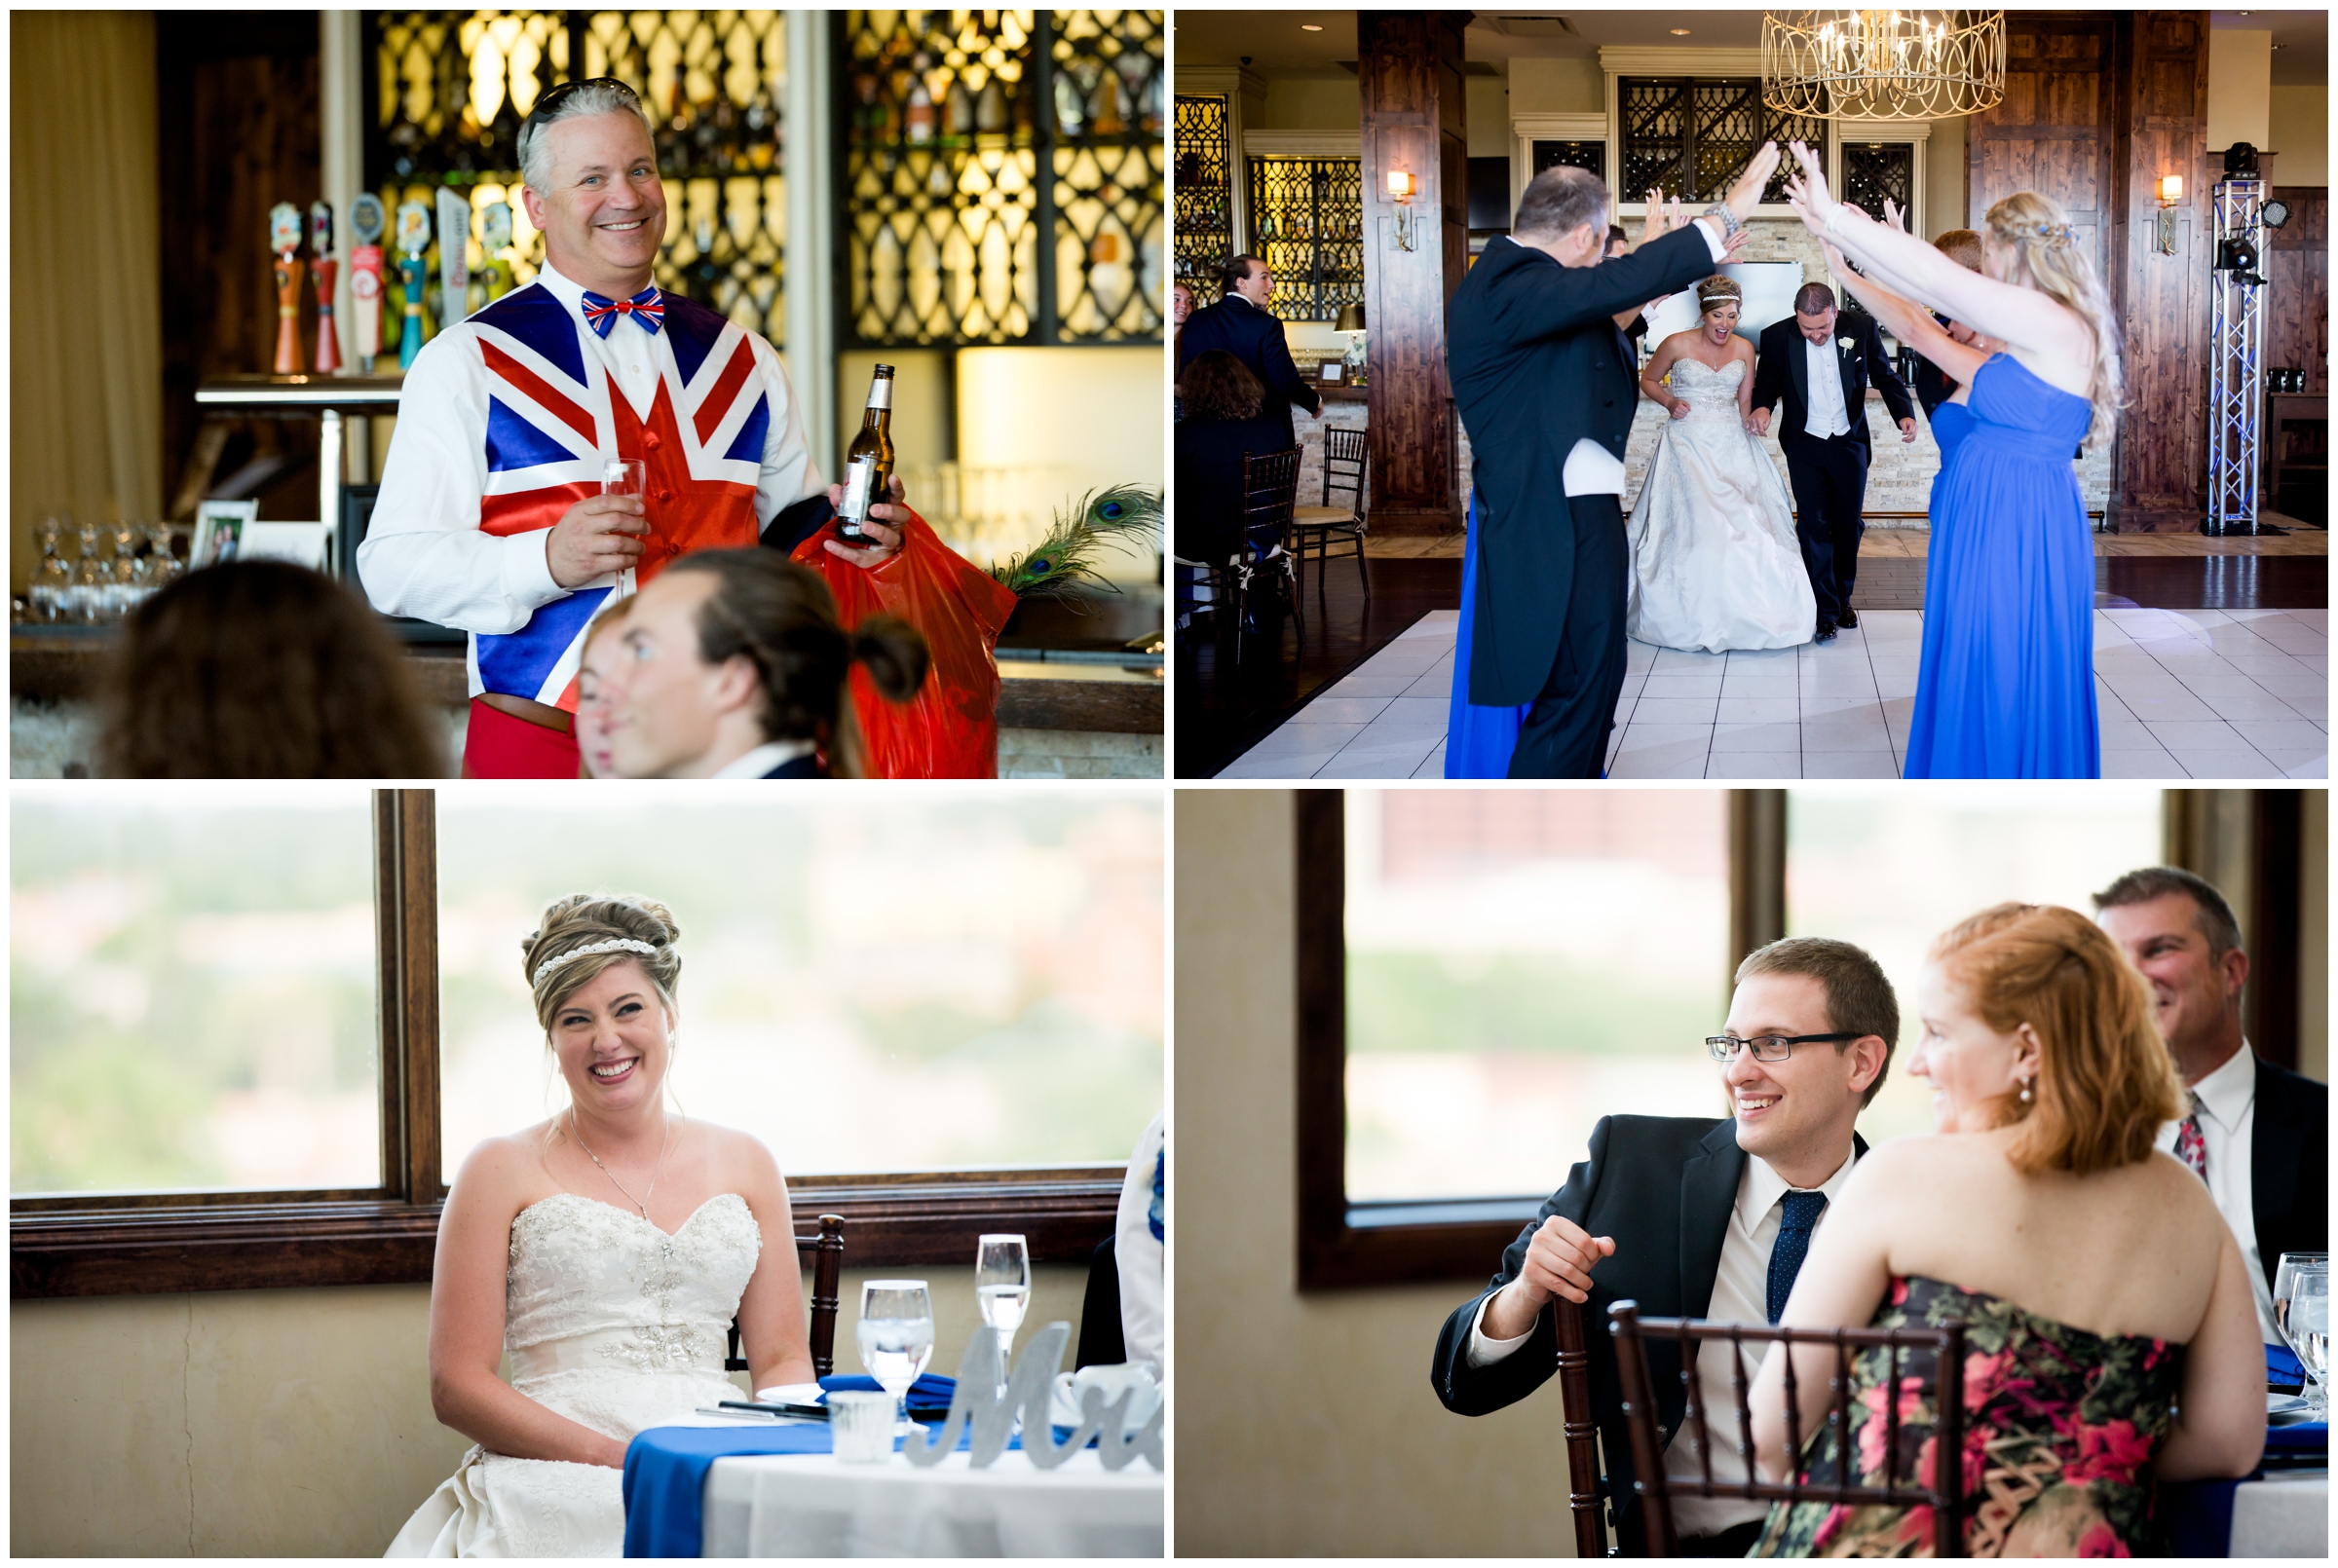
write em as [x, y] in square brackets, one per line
[869, 461]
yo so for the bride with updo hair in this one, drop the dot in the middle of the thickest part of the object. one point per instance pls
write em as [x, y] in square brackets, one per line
[1716, 564]
[606, 1250]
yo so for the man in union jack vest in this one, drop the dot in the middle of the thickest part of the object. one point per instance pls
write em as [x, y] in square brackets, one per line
[491, 516]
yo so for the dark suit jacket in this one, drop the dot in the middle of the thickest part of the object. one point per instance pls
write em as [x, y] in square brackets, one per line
[807, 765]
[1536, 364]
[1663, 1186]
[2289, 1166]
[1784, 372]
[1209, 478]
[1256, 338]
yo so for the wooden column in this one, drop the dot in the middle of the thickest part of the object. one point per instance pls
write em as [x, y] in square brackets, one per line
[1409, 75]
[2160, 125]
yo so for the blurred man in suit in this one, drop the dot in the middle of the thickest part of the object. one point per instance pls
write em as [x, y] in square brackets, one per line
[1932, 385]
[1241, 324]
[2258, 1135]
[1821, 366]
[1692, 1217]
[1545, 384]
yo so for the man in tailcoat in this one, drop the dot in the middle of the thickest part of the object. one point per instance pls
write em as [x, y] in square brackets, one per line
[1826, 435]
[1545, 384]
[1241, 324]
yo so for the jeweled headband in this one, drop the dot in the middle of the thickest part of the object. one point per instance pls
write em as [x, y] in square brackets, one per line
[1706, 302]
[612, 944]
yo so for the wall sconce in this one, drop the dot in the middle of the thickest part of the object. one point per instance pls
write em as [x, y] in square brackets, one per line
[1400, 191]
[2170, 190]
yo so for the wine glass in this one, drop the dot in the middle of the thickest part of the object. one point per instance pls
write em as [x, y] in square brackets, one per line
[897, 1337]
[2283, 1273]
[1003, 1289]
[2307, 1327]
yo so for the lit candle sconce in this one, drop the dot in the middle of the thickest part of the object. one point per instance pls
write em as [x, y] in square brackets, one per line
[1400, 191]
[2170, 190]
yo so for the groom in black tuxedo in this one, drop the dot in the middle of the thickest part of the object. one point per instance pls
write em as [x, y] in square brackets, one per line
[1825, 438]
[1545, 385]
[1692, 1217]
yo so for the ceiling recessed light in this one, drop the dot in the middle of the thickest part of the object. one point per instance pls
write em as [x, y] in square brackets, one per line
[1309, 27]
[1680, 33]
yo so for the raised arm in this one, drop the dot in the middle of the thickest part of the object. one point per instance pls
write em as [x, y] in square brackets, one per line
[468, 1280]
[1910, 323]
[2023, 317]
[2220, 1414]
[772, 1322]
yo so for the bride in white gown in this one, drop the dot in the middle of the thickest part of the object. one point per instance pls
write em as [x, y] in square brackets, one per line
[606, 1250]
[1715, 561]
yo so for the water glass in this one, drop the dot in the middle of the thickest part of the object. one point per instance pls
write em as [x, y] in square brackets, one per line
[896, 1335]
[860, 1425]
[1003, 1289]
[2308, 1334]
[623, 476]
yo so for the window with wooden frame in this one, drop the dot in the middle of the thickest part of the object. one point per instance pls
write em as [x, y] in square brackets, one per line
[283, 1206]
[1481, 975]
[1692, 135]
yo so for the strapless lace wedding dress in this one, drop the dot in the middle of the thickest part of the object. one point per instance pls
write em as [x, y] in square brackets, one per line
[615, 1325]
[1714, 562]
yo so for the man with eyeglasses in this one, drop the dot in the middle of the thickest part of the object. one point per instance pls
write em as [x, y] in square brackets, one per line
[1692, 1217]
[491, 516]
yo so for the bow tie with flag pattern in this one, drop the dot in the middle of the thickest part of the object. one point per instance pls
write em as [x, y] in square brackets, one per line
[647, 307]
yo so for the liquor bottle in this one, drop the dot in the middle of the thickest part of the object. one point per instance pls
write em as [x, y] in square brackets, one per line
[959, 111]
[920, 113]
[869, 461]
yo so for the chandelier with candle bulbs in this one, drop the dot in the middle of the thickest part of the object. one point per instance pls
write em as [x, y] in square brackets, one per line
[1882, 64]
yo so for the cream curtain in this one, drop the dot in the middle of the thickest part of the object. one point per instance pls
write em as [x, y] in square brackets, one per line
[85, 363]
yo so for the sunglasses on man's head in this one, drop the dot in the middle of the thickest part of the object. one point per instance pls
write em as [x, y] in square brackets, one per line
[556, 96]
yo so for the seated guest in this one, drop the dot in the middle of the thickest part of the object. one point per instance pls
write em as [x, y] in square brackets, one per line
[605, 1252]
[2257, 1134]
[1225, 423]
[1692, 1217]
[261, 669]
[600, 676]
[1181, 305]
[2109, 1337]
[735, 667]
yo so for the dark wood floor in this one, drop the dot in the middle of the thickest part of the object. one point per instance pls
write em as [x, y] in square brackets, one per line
[1223, 706]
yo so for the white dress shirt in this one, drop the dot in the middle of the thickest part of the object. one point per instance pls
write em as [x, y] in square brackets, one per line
[425, 553]
[1141, 1256]
[764, 757]
[1591, 469]
[2228, 1117]
[1741, 1294]
[1826, 414]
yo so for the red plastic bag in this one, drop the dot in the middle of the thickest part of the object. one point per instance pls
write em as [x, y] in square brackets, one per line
[950, 729]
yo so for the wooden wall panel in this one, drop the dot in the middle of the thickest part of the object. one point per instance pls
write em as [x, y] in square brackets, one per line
[1410, 79]
[2047, 135]
[2297, 315]
[2158, 126]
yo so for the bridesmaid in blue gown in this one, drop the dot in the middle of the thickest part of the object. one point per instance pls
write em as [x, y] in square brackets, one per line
[2005, 686]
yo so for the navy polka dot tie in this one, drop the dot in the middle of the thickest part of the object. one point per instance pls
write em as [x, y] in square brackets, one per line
[1802, 1211]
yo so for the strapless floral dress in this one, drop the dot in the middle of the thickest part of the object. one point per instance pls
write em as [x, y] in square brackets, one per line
[2060, 1430]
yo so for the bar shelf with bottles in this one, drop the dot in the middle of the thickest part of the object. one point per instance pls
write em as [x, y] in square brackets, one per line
[1306, 220]
[1204, 221]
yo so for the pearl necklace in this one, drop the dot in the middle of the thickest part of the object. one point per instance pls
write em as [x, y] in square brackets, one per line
[642, 1202]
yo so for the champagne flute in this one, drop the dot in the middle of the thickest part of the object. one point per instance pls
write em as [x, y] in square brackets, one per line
[1003, 1289]
[2309, 1330]
[897, 1337]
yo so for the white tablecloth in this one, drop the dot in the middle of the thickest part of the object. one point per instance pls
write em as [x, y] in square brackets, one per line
[2286, 1514]
[816, 1505]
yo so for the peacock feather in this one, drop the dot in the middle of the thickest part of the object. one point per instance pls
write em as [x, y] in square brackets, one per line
[1125, 516]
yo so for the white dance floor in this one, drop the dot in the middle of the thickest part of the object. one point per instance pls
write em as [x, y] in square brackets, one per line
[2185, 694]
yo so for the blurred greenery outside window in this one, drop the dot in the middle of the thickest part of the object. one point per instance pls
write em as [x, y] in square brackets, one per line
[959, 982]
[1522, 963]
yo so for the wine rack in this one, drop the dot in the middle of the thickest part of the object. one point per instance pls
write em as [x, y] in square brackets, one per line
[1205, 229]
[1306, 222]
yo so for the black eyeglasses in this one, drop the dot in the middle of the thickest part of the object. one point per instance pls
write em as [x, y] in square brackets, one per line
[553, 100]
[1724, 1048]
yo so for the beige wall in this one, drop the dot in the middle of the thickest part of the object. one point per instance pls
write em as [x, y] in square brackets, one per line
[1944, 177]
[1330, 104]
[1308, 1426]
[2240, 76]
[2298, 129]
[277, 1423]
[1488, 116]
[1558, 87]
